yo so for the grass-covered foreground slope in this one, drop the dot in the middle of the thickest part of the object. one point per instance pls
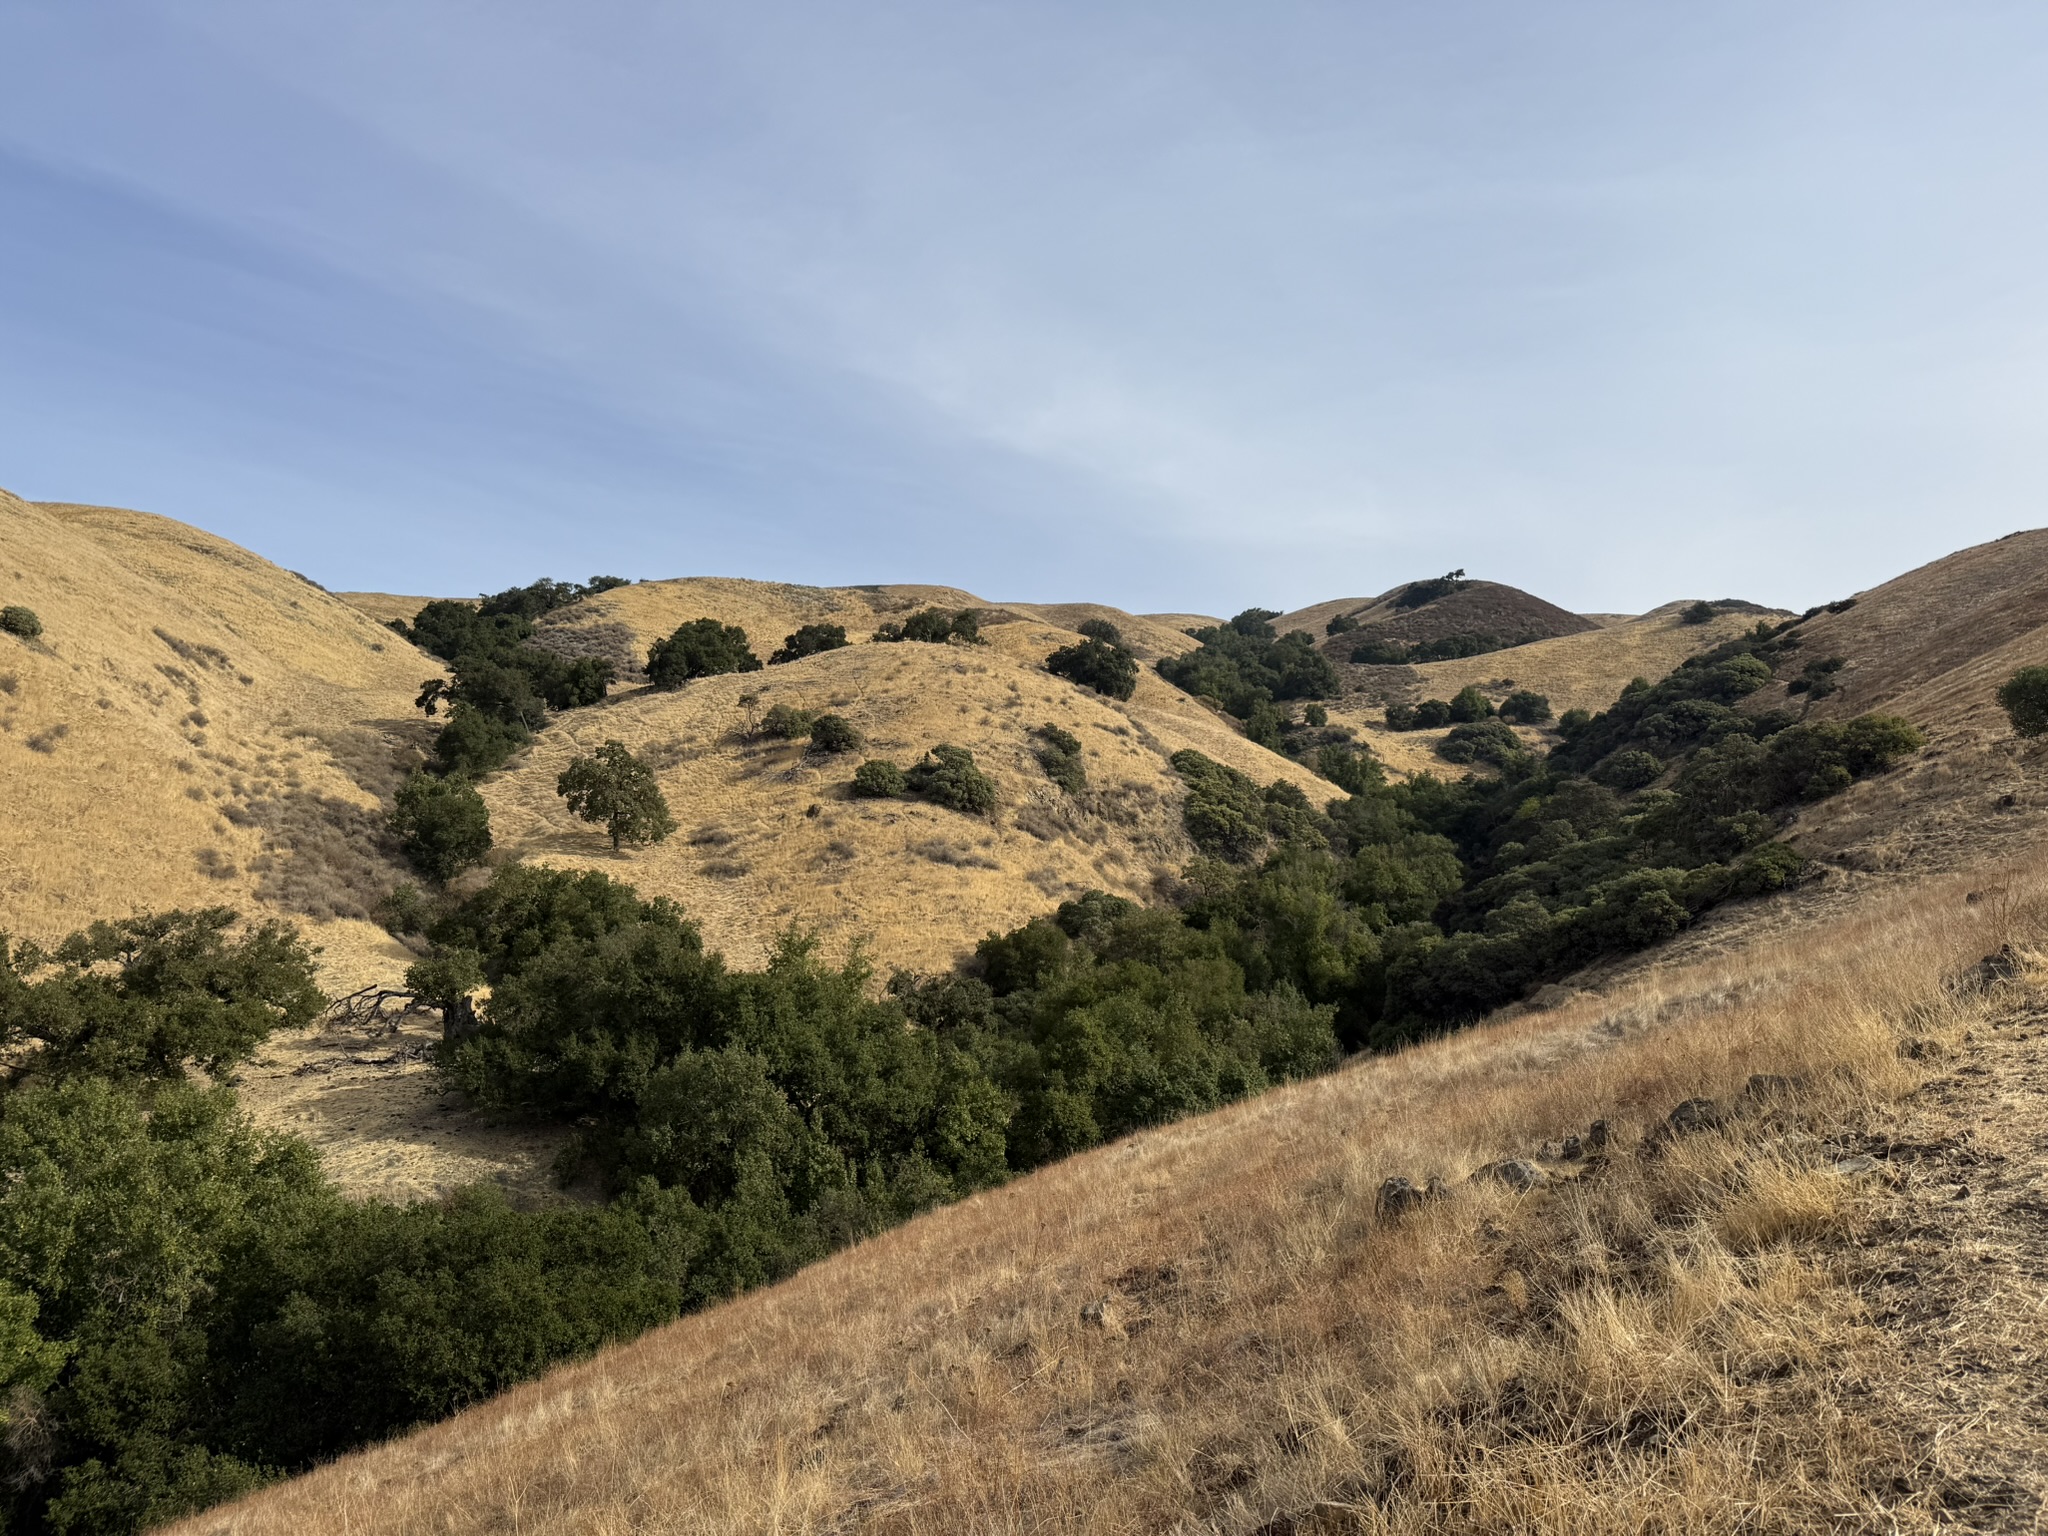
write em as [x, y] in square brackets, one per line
[1650, 1295]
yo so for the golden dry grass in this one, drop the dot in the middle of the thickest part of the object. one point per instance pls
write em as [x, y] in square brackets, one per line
[922, 883]
[1209, 1327]
[196, 726]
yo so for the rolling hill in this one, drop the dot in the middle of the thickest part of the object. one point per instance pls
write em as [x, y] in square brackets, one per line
[1680, 1318]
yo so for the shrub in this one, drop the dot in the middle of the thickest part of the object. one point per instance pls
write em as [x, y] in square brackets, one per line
[473, 743]
[810, 640]
[1525, 708]
[1629, 770]
[947, 776]
[1343, 624]
[1351, 768]
[2024, 698]
[1316, 715]
[1400, 717]
[617, 790]
[879, 779]
[1470, 704]
[1416, 593]
[1485, 741]
[700, 648]
[1380, 653]
[442, 824]
[1100, 629]
[1060, 757]
[16, 620]
[834, 733]
[1431, 714]
[1572, 722]
[1698, 613]
[1243, 663]
[404, 910]
[787, 722]
[935, 626]
[1109, 669]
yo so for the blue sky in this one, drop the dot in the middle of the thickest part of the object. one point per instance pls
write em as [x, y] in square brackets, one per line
[1174, 306]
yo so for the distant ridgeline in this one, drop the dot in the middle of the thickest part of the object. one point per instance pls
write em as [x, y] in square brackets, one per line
[189, 1307]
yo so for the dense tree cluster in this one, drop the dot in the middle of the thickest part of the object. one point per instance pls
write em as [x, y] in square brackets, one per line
[1245, 664]
[700, 648]
[1097, 662]
[935, 626]
[1417, 593]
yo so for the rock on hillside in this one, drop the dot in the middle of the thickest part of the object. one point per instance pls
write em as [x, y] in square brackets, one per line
[195, 727]
[771, 836]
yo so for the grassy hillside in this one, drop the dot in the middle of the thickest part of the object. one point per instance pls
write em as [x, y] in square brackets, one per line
[923, 883]
[1222, 1325]
[195, 726]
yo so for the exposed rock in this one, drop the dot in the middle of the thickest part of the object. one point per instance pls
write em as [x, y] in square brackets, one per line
[1573, 1148]
[1398, 1196]
[1517, 1173]
[1596, 1135]
[1693, 1116]
[1848, 1167]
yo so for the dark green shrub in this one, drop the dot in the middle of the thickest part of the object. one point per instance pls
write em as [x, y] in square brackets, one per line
[16, 620]
[1698, 613]
[1315, 714]
[834, 733]
[1629, 770]
[1573, 722]
[1060, 757]
[442, 824]
[879, 779]
[947, 776]
[1525, 708]
[810, 640]
[1100, 629]
[935, 626]
[1243, 663]
[700, 648]
[1351, 768]
[544, 596]
[618, 791]
[1431, 714]
[1109, 669]
[1401, 717]
[2024, 698]
[1343, 624]
[1380, 653]
[473, 743]
[1470, 704]
[1416, 593]
[404, 910]
[788, 723]
[1485, 741]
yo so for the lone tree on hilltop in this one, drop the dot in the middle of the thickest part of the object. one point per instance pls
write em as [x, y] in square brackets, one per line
[700, 648]
[2024, 699]
[442, 824]
[614, 787]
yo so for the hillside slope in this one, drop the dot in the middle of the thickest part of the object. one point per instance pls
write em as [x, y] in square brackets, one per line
[1225, 1325]
[196, 726]
[925, 884]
